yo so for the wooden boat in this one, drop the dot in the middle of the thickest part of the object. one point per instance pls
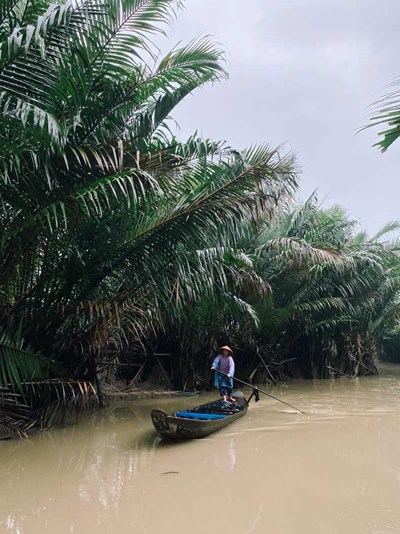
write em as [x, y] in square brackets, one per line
[200, 421]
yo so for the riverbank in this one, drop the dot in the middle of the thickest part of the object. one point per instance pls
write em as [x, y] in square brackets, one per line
[142, 394]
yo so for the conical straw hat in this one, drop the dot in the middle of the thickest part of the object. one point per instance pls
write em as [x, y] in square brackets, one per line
[225, 347]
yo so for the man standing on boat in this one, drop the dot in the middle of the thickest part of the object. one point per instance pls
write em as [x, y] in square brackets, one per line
[224, 378]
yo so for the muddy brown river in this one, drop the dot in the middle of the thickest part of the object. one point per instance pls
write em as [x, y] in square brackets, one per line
[334, 469]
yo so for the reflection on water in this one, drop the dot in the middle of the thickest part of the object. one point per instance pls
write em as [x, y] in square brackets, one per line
[334, 469]
[226, 459]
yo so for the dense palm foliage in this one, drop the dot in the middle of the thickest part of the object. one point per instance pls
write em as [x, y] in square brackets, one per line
[331, 296]
[114, 234]
[108, 223]
[332, 290]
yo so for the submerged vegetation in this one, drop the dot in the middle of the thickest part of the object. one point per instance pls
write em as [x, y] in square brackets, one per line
[117, 238]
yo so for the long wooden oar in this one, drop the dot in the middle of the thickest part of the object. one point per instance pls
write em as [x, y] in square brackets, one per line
[260, 390]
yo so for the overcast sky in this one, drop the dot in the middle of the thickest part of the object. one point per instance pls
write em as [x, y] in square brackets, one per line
[303, 72]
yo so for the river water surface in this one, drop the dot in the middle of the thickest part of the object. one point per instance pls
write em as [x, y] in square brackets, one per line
[334, 469]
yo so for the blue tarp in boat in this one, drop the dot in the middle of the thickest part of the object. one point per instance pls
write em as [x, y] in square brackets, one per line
[200, 416]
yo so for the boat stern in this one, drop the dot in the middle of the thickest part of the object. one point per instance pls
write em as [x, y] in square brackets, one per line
[162, 424]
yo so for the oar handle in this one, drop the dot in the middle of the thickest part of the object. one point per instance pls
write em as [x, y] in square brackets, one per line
[260, 390]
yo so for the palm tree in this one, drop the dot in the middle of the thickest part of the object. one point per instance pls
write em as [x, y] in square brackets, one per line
[386, 111]
[330, 287]
[320, 299]
[103, 212]
[114, 233]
